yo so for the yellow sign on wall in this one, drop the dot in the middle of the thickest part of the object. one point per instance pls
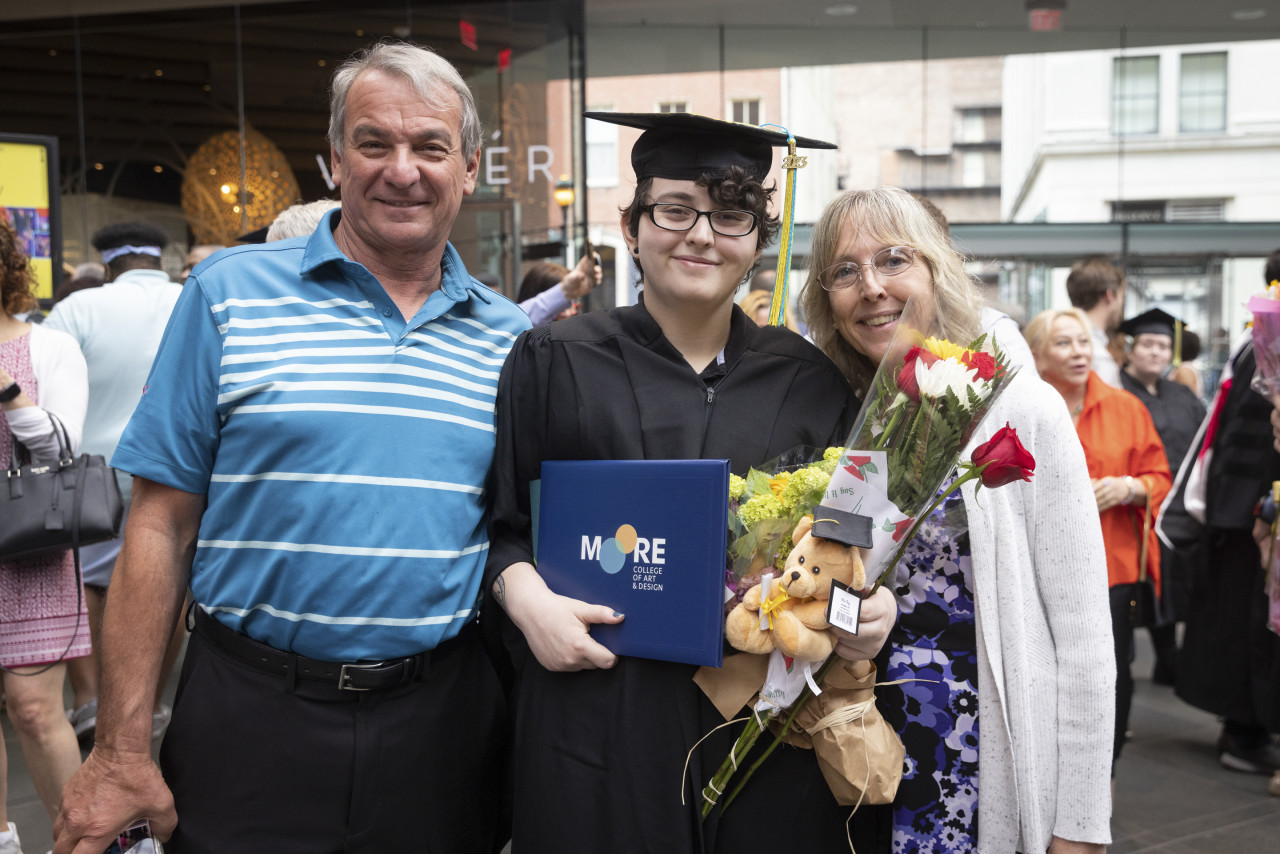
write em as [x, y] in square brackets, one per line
[24, 201]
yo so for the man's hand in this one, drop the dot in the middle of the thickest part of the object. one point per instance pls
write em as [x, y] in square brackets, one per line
[1057, 845]
[556, 627]
[1275, 425]
[110, 791]
[582, 278]
[875, 620]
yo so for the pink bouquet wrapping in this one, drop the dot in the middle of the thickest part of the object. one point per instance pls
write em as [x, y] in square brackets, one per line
[1266, 341]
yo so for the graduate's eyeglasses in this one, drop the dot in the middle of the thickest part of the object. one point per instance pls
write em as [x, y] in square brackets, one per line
[682, 218]
[889, 261]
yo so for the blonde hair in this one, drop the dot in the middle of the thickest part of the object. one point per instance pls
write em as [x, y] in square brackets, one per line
[299, 220]
[754, 301]
[890, 216]
[758, 299]
[1040, 328]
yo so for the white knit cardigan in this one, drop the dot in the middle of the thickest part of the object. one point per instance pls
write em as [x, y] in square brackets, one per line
[1046, 662]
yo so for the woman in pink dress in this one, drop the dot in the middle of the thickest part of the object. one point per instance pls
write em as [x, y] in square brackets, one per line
[42, 616]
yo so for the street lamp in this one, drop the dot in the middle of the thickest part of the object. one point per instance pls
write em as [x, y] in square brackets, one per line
[564, 198]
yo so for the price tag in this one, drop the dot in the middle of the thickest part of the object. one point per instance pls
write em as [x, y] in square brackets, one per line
[843, 607]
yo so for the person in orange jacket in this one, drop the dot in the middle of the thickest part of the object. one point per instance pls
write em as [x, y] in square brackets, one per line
[1127, 465]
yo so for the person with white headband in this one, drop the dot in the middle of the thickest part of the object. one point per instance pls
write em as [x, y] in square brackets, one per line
[118, 328]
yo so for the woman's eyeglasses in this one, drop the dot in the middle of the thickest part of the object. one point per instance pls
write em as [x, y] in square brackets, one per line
[889, 261]
[682, 218]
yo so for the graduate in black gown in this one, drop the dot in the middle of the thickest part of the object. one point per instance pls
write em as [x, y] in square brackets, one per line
[601, 741]
[1177, 413]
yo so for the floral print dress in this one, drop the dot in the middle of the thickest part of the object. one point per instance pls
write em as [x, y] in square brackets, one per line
[936, 806]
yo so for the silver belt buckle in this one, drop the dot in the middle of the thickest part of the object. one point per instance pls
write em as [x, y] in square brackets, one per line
[344, 678]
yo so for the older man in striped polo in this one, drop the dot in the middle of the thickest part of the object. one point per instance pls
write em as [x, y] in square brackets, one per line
[311, 455]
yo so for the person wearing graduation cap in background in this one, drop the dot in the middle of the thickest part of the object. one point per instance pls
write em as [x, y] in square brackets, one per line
[1176, 412]
[601, 740]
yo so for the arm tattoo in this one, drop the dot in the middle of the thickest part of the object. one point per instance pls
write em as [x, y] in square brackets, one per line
[500, 592]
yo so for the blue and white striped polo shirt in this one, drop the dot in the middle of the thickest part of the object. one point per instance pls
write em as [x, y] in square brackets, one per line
[344, 452]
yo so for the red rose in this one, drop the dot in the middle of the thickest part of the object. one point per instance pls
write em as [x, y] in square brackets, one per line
[907, 376]
[1004, 458]
[983, 363]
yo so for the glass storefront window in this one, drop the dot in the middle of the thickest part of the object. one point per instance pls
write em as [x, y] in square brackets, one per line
[211, 121]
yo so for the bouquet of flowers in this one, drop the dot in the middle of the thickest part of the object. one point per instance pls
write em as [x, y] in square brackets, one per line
[927, 398]
[1265, 330]
[764, 508]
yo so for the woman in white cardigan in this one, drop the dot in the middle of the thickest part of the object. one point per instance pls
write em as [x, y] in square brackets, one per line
[1002, 598]
[42, 616]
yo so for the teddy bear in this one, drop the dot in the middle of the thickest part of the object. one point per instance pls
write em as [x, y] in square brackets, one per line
[801, 591]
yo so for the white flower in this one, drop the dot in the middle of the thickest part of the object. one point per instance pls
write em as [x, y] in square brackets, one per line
[935, 379]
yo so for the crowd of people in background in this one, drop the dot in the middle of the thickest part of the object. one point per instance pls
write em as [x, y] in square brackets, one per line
[1137, 484]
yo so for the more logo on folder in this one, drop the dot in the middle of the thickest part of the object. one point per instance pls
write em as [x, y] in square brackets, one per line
[643, 537]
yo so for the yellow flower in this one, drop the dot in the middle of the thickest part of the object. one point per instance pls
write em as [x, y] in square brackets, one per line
[832, 454]
[760, 507]
[804, 482]
[737, 487]
[779, 483]
[944, 349]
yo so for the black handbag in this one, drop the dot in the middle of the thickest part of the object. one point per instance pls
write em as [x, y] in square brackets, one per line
[57, 506]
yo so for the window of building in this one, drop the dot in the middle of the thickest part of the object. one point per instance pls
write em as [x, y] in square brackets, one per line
[673, 107]
[1197, 210]
[745, 110]
[1135, 95]
[973, 169]
[972, 126]
[1202, 92]
[602, 152]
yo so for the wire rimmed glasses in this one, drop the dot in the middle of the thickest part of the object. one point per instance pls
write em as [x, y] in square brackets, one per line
[673, 217]
[889, 261]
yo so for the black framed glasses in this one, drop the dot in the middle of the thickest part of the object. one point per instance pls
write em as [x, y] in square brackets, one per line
[727, 223]
[889, 261]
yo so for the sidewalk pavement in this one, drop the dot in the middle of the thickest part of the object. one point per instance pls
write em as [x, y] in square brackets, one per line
[1172, 796]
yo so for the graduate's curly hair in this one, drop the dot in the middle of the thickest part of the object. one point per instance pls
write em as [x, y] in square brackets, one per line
[17, 280]
[733, 189]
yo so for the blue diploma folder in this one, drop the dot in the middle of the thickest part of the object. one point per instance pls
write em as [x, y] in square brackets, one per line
[644, 537]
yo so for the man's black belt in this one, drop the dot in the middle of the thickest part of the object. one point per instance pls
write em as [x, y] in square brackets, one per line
[353, 676]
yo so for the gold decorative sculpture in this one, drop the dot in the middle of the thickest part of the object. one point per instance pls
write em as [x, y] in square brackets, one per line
[217, 208]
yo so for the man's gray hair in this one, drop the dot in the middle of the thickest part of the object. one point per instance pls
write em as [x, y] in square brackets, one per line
[424, 69]
[299, 220]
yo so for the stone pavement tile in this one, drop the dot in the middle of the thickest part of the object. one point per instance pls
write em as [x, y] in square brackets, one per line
[1171, 793]
[1255, 829]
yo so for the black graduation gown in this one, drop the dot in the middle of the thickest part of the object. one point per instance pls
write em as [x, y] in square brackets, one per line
[1176, 413]
[599, 753]
[1229, 663]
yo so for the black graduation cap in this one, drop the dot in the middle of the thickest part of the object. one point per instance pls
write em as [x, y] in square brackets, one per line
[258, 235]
[1152, 322]
[842, 526]
[686, 146]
